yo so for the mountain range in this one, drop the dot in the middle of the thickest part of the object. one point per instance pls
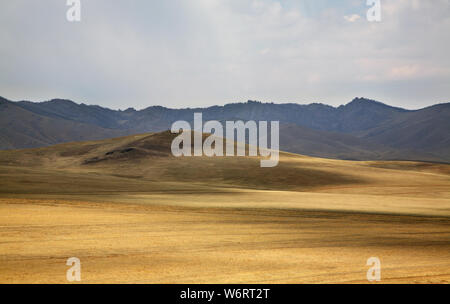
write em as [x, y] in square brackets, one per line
[363, 129]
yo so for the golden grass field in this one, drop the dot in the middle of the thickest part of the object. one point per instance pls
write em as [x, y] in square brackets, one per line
[133, 214]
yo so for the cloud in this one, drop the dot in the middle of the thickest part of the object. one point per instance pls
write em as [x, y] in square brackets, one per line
[203, 52]
[352, 18]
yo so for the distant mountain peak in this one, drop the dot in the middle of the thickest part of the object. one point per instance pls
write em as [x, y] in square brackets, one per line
[359, 102]
[62, 101]
[130, 110]
[362, 100]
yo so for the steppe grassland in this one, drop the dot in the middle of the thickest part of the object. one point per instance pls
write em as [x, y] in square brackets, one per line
[193, 220]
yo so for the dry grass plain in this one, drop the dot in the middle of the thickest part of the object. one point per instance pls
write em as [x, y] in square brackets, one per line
[133, 214]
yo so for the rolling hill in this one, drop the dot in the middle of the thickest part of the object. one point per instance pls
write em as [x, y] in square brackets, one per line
[143, 163]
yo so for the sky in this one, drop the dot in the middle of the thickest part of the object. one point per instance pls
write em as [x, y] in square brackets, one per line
[195, 53]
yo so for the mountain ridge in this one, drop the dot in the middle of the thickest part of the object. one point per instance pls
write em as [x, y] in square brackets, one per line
[362, 129]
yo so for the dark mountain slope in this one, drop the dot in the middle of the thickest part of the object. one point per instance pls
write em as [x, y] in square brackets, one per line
[68, 110]
[427, 130]
[25, 129]
[363, 114]
[325, 144]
